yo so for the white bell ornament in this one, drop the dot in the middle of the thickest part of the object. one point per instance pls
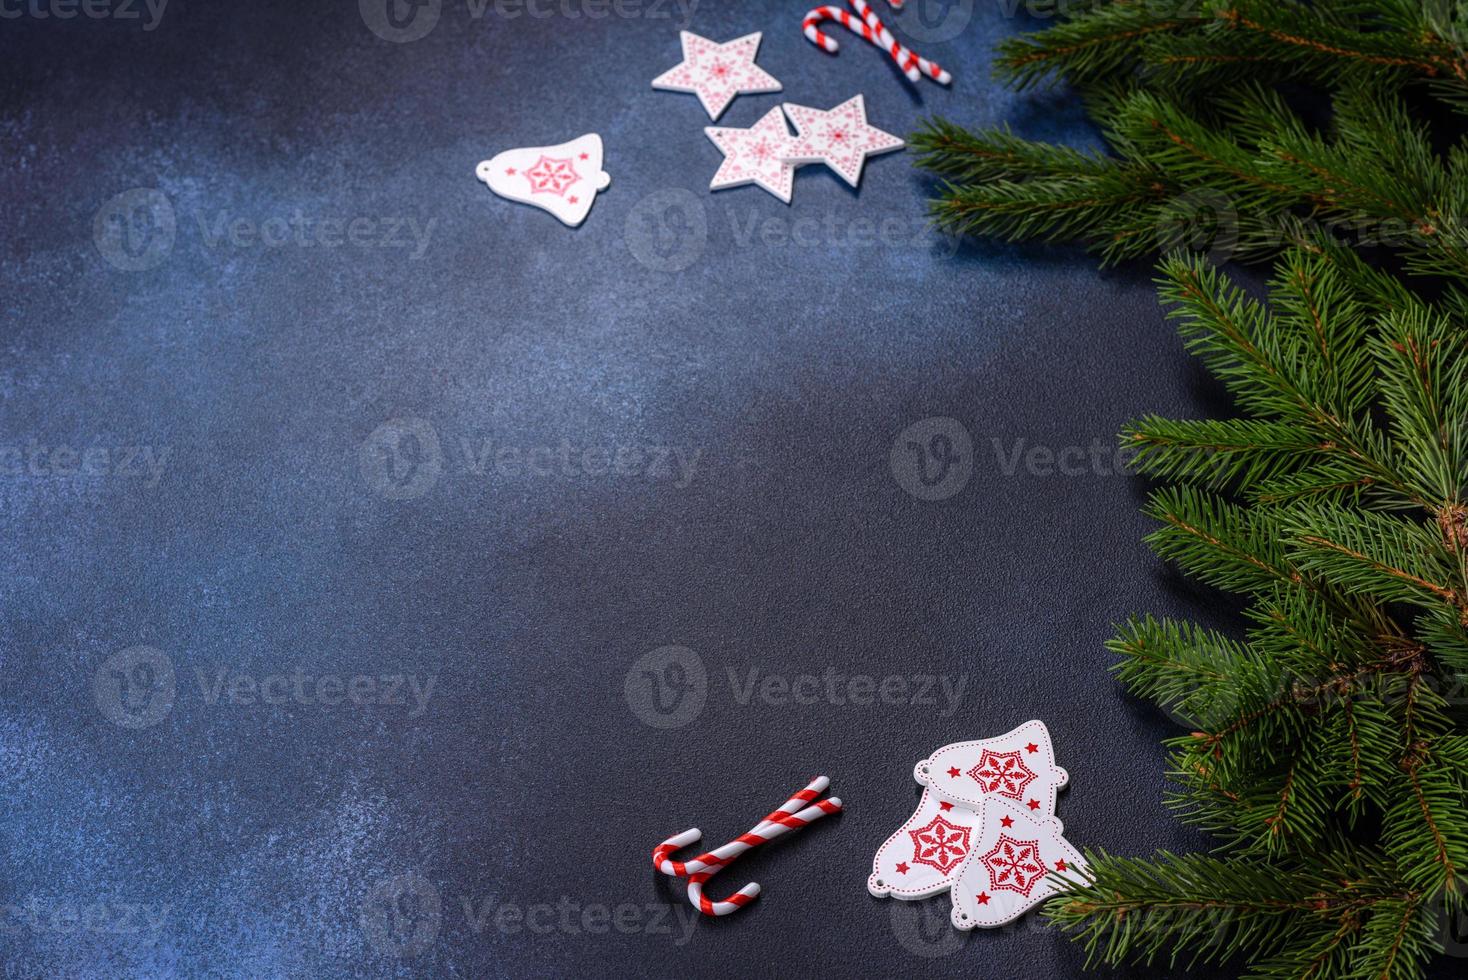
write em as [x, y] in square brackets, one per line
[563, 179]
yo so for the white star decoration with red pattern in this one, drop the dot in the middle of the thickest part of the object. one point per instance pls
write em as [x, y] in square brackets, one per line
[562, 179]
[716, 73]
[840, 138]
[755, 155]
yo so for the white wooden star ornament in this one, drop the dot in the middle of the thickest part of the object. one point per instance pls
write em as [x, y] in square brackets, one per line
[767, 155]
[755, 155]
[716, 73]
[840, 138]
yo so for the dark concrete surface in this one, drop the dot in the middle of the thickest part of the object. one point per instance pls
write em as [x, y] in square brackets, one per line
[471, 448]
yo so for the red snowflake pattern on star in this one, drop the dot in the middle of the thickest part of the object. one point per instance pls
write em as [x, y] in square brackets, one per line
[940, 844]
[841, 138]
[1004, 773]
[755, 155]
[1014, 865]
[552, 175]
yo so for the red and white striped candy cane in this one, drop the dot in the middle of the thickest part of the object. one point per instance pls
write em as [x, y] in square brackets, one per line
[847, 21]
[781, 821]
[733, 903]
[788, 817]
[854, 24]
[661, 853]
[871, 28]
[824, 41]
[766, 831]
[904, 56]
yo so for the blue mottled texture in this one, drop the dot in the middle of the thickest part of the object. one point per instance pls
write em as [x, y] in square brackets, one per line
[504, 828]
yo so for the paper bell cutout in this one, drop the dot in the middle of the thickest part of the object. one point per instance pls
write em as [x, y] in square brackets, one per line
[563, 179]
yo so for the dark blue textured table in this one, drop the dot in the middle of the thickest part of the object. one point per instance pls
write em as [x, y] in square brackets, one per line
[348, 509]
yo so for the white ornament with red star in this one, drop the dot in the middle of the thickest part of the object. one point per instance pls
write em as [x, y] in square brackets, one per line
[924, 856]
[840, 138]
[1018, 766]
[562, 179]
[755, 155]
[1012, 858]
[716, 73]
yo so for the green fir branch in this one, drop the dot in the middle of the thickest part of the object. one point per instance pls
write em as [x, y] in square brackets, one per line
[1325, 749]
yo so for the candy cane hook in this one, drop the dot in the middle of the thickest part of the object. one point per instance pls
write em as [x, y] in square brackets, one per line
[827, 43]
[733, 903]
[789, 816]
[823, 40]
[870, 27]
[748, 893]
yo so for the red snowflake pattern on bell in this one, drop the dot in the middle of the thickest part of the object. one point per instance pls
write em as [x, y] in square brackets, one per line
[1014, 864]
[1004, 773]
[940, 844]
